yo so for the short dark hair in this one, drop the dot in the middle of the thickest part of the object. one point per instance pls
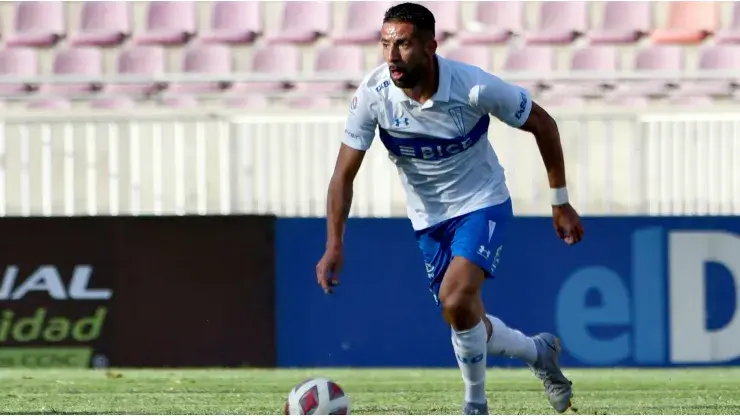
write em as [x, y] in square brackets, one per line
[416, 14]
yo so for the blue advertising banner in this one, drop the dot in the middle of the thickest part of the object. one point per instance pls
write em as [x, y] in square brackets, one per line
[638, 291]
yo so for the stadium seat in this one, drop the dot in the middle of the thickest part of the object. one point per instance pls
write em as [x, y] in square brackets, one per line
[103, 23]
[656, 59]
[531, 59]
[82, 60]
[624, 22]
[343, 58]
[731, 34]
[210, 59]
[308, 101]
[659, 58]
[559, 99]
[274, 59]
[169, 23]
[720, 57]
[49, 103]
[690, 100]
[138, 37]
[234, 22]
[623, 100]
[478, 55]
[303, 22]
[447, 16]
[595, 58]
[246, 101]
[495, 22]
[715, 57]
[179, 101]
[561, 22]
[112, 103]
[145, 60]
[689, 22]
[38, 23]
[21, 61]
[592, 59]
[362, 25]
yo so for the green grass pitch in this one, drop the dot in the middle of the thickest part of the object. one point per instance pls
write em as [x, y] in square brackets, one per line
[392, 391]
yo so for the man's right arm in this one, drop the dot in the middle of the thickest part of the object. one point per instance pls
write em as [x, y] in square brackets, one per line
[339, 198]
[359, 132]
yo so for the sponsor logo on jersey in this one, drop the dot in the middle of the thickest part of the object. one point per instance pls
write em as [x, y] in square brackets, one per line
[522, 105]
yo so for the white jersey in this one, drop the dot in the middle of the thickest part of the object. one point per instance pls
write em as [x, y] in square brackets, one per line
[441, 148]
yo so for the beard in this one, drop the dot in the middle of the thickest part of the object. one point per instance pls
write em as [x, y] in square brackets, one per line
[408, 79]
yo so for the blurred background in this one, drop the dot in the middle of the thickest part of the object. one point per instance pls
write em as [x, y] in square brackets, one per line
[164, 165]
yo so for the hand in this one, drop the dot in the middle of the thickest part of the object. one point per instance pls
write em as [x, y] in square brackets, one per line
[327, 270]
[567, 223]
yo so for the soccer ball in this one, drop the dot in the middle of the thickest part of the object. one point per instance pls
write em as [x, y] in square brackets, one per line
[317, 396]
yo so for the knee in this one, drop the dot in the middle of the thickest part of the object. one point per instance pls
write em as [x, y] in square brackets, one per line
[459, 306]
[459, 294]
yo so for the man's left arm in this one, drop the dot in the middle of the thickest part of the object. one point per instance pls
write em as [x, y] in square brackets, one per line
[545, 131]
[514, 106]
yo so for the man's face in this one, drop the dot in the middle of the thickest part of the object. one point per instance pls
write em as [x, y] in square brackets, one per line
[406, 54]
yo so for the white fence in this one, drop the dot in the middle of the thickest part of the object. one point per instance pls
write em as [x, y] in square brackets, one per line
[175, 163]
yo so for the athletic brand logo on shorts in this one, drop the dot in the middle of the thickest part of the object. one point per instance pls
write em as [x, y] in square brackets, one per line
[484, 252]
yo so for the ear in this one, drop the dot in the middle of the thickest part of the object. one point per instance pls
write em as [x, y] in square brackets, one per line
[431, 47]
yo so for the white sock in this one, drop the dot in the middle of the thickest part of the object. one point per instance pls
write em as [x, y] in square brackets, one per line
[510, 342]
[470, 349]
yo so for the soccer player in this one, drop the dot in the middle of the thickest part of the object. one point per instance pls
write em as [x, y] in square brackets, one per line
[432, 115]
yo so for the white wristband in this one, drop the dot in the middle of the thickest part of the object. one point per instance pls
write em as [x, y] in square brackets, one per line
[559, 196]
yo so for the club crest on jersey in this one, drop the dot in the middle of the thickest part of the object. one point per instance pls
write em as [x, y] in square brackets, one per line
[457, 116]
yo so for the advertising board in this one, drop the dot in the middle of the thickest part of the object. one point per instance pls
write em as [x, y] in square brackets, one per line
[638, 291]
[137, 292]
